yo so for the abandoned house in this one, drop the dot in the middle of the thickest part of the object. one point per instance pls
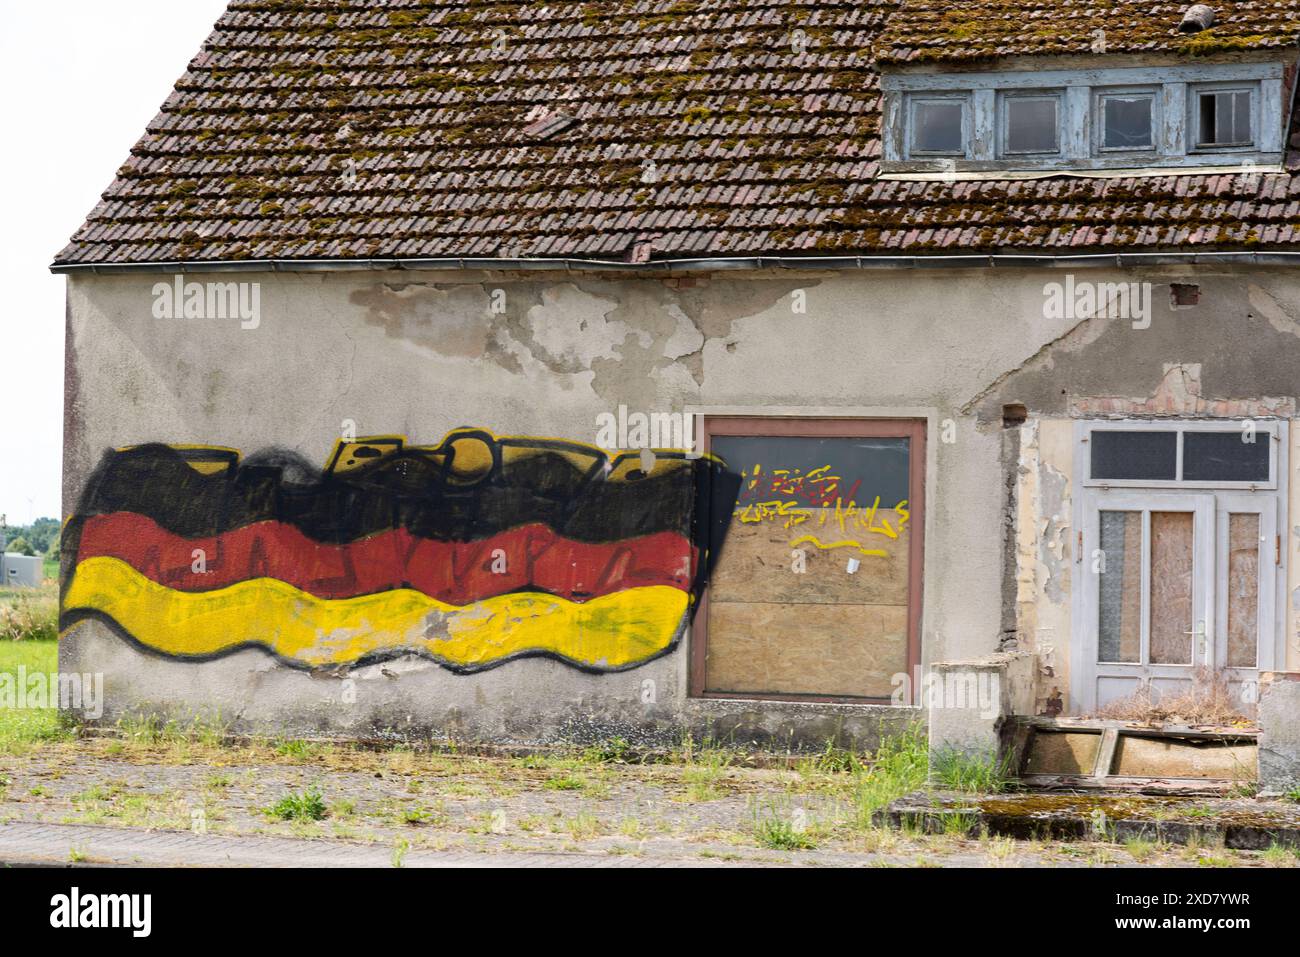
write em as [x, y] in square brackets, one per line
[524, 373]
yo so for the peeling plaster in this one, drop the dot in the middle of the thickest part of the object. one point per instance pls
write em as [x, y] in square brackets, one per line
[607, 336]
[1180, 393]
[1273, 309]
[1053, 552]
[1108, 359]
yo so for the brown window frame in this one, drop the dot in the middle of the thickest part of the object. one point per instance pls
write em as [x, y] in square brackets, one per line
[848, 428]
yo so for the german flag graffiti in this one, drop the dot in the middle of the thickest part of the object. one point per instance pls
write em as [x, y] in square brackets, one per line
[470, 553]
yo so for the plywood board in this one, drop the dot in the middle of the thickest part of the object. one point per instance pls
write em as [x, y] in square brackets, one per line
[758, 559]
[1171, 588]
[816, 649]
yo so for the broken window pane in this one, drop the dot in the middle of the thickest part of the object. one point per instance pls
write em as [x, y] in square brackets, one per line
[1227, 456]
[937, 127]
[1119, 624]
[1243, 590]
[1225, 118]
[1031, 124]
[1171, 588]
[1134, 456]
[1126, 122]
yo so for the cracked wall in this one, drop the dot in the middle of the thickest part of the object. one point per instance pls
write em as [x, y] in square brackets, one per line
[421, 354]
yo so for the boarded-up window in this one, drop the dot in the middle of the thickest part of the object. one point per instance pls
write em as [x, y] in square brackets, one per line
[1171, 588]
[813, 590]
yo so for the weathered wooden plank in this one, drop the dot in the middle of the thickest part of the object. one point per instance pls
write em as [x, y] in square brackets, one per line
[1134, 728]
[1272, 117]
[983, 139]
[1172, 131]
[1166, 786]
[1106, 753]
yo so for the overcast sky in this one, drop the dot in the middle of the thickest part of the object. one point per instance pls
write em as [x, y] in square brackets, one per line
[81, 80]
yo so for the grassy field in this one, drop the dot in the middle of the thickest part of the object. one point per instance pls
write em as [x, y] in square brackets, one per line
[29, 613]
[29, 632]
[22, 727]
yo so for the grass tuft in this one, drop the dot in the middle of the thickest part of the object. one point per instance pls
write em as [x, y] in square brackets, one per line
[780, 829]
[954, 770]
[899, 767]
[307, 806]
[22, 729]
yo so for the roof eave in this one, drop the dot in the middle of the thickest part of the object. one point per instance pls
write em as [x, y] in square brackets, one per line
[1290, 257]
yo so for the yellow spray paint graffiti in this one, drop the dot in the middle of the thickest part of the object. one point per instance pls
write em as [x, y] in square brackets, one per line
[822, 507]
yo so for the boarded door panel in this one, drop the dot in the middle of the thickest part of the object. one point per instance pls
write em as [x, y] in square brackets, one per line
[812, 592]
[814, 649]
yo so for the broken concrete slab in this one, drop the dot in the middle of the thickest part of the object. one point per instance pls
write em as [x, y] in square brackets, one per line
[1240, 823]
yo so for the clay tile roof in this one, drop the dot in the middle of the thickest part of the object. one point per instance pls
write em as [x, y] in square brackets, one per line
[370, 129]
[938, 31]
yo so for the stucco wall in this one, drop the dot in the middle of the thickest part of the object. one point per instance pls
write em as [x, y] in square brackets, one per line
[418, 354]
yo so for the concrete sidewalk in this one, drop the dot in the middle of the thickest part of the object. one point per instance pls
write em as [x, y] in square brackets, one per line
[86, 845]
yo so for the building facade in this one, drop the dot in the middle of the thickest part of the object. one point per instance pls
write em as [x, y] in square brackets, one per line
[719, 375]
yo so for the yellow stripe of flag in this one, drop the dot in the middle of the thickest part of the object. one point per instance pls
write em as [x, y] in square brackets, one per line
[611, 631]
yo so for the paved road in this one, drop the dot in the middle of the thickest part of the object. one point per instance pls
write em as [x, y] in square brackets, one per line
[57, 844]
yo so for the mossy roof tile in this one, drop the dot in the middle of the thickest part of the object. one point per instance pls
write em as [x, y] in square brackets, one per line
[398, 128]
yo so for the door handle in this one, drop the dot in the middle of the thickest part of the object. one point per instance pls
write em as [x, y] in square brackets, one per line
[1199, 632]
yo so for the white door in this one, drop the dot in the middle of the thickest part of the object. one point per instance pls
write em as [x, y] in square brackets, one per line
[1149, 581]
[1248, 567]
[1173, 582]
[1179, 564]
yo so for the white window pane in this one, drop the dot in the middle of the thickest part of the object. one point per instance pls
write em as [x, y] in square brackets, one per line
[937, 127]
[1031, 124]
[1126, 122]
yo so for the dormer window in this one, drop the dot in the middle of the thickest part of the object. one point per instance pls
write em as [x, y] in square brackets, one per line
[1204, 115]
